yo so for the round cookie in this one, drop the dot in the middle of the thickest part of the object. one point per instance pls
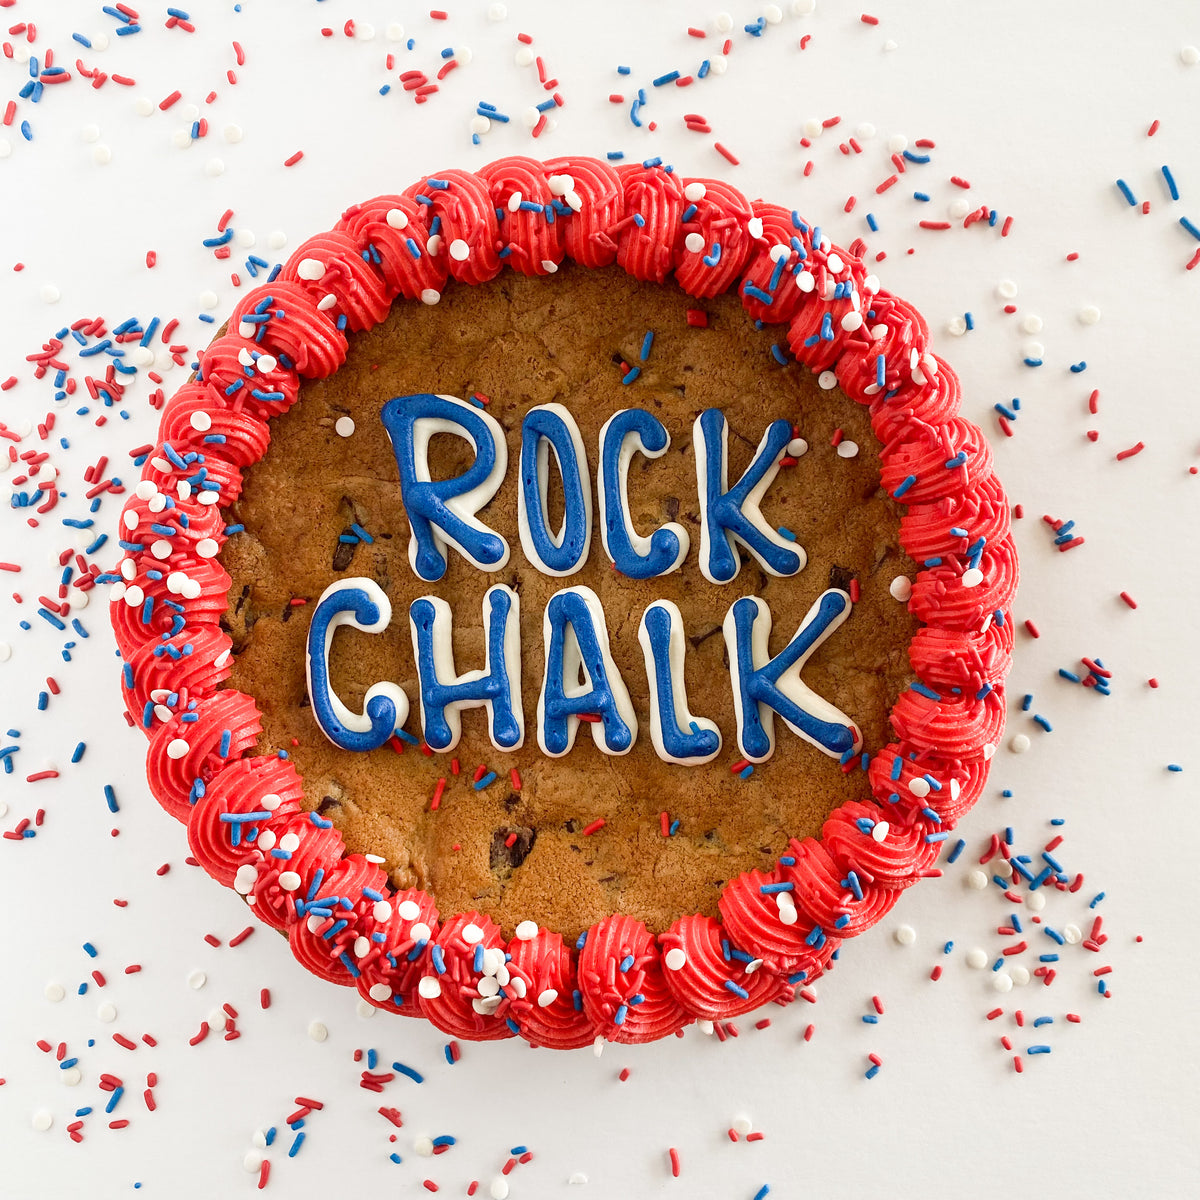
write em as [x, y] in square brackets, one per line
[749, 934]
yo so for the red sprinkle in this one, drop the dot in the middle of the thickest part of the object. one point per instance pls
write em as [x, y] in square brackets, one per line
[673, 1154]
[597, 824]
[1135, 449]
[294, 159]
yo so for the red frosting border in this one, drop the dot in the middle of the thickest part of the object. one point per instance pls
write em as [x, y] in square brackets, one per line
[776, 929]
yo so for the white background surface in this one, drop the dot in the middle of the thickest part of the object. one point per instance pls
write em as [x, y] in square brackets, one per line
[1041, 107]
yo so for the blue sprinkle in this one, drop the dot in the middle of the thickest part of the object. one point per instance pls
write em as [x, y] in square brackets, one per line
[89, 949]
[1127, 192]
[412, 1074]
[1182, 220]
[1171, 185]
[1038, 719]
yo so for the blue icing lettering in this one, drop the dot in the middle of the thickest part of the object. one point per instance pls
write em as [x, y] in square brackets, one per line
[763, 686]
[443, 512]
[445, 693]
[678, 736]
[625, 433]
[362, 604]
[551, 427]
[575, 636]
[729, 515]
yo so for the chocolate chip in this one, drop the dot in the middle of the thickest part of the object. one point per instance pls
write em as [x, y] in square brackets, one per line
[698, 639]
[344, 552]
[511, 801]
[502, 856]
[241, 600]
[287, 613]
[671, 504]
[839, 577]
[328, 803]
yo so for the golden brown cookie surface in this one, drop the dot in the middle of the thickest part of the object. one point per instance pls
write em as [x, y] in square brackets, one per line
[518, 854]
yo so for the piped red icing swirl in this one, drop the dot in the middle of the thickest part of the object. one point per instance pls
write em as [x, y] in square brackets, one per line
[776, 929]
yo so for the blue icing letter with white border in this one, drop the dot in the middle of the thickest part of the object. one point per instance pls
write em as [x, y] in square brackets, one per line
[362, 604]
[729, 515]
[445, 693]
[624, 434]
[576, 638]
[443, 513]
[678, 736]
[763, 686]
[551, 427]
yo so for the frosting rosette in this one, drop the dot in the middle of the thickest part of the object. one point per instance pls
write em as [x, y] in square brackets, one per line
[551, 1012]
[401, 927]
[650, 234]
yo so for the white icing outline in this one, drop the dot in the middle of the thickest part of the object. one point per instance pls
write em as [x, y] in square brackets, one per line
[632, 444]
[750, 508]
[543, 480]
[684, 718]
[446, 671]
[355, 722]
[572, 665]
[789, 682]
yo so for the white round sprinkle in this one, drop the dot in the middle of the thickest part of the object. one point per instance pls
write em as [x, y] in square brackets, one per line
[429, 988]
[344, 426]
[102, 155]
[289, 880]
[382, 911]
[547, 998]
[1002, 982]
[409, 910]
[252, 1163]
[1034, 350]
[207, 548]
[956, 326]
[394, 32]
[958, 208]
[5, 651]
[694, 243]
[897, 143]
[1006, 289]
[497, 12]
[200, 421]
[72, 1077]
[107, 1012]
[1072, 935]
[480, 124]
[176, 747]
[419, 932]
[196, 980]
[380, 992]
[50, 294]
[289, 842]
[42, 1120]
[919, 787]
[54, 992]
[1032, 323]
[813, 127]
[977, 880]
[423, 1146]
[90, 133]
[901, 588]
[498, 1188]
[1035, 901]
[181, 139]
[1019, 744]
[526, 931]
[459, 250]
[788, 914]
[797, 448]
[1089, 314]
[695, 191]
[143, 105]
[311, 268]
[847, 449]
[723, 22]
[1189, 56]
[430, 296]
[772, 14]
[471, 934]
[803, 8]
[244, 880]
[363, 31]
[827, 380]
[277, 240]
[214, 167]
[742, 1124]
[577, 1177]
[977, 958]
[232, 134]
[318, 1031]
[675, 958]
[718, 66]
[972, 577]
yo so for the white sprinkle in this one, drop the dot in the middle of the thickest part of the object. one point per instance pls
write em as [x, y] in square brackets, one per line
[363, 31]
[72, 1077]
[803, 8]
[288, 880]
[847, 449]
[1031, 323]
[196, 980]
[1019, 974]
[207, 548]
[181, 139]
[772, 14]
[675, 958]
[1089, 314]
[695, 191]
[394, 32]
[718, 66]
[423, 1146]
[977, 958]
[54, 992]
[252, 1163]
[1002, 982]
[865, 131]
[977, 880]
[176, 747]
[897, 143]
[901, 588]
[50, 294]
[523, 58]
[311, 268]
[480, 124]
[1035, 901]
[471, 933]
[428, 988]
[1019, 744]
[1006, 289]
[143, 105]
[42, 1120]
[498, 1188]
[526, 931]
[5, 147]
[497, 12]
[244, 880]
[344, 426]
[723, 22]
[419, 931]
[277, 240]
[459, 250]
[409, 910]
[430, 296]
[1072, 935]
[214, 167]
[380, 992]
[919, 787]
[694, 243]
[972, 577]
[107, 1012]
[742, 1124]
[814, 127]
[797, 448]
[577, 1177]
[1189, 56]
[788, 915]
[318, 1031]
[209, 299]
[102, 155]
[956, 326]
[90, 133]
[827, 380]
[958, 208]
[232, 133]
[289, 842]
